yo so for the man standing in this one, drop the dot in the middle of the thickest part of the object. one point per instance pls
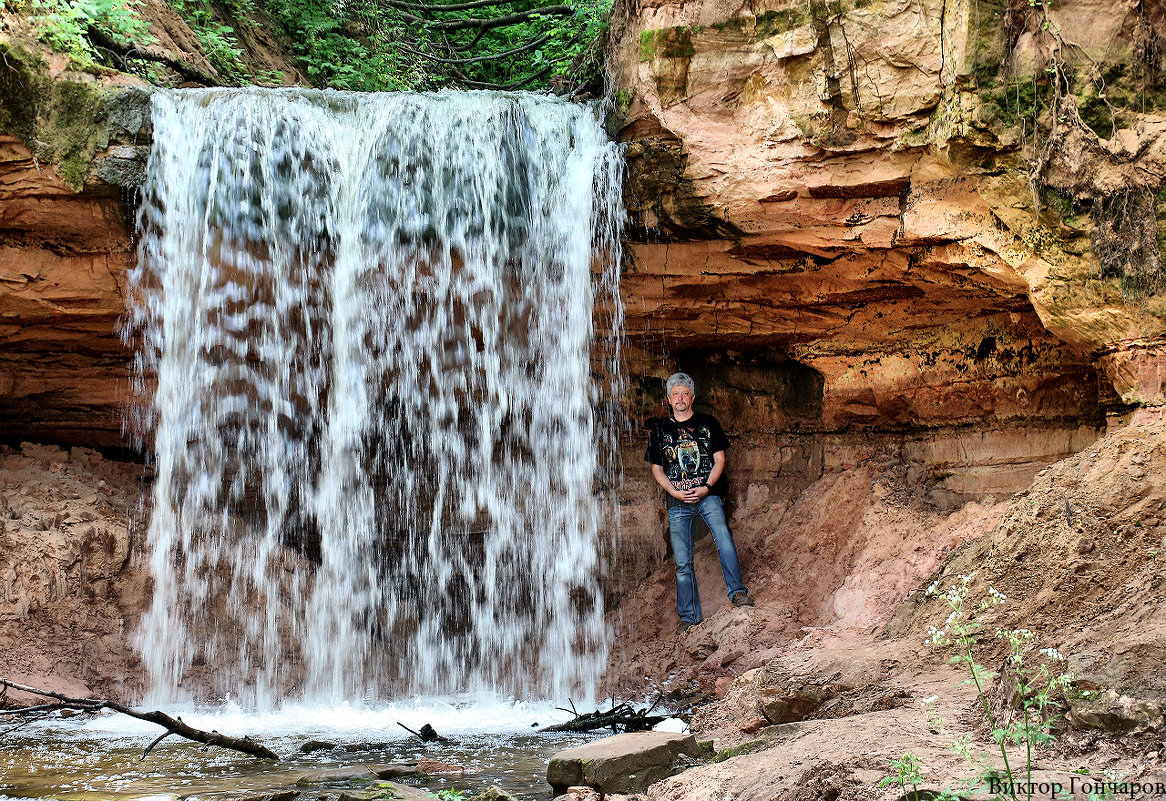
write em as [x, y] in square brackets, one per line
[687, 454]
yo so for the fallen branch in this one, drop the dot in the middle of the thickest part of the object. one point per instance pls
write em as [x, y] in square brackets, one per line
[506, 87]
[427, 734]
[476, 59]
[623, 716]
[172, 725]
[444, 7]
[127, 50]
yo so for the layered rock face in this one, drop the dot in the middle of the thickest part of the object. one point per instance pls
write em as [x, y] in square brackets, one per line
[915, 243]
[71, 152]
[840, 193]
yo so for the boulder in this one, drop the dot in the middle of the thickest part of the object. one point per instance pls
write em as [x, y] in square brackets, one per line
[581, 793]
[625, 763]
[1109, 711]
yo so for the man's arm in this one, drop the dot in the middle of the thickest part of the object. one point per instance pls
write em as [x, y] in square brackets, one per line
[696, 493]
[700, 493]
[718, 468]
[662, 479]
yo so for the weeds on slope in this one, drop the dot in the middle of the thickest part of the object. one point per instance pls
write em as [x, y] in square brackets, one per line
[1035, 682]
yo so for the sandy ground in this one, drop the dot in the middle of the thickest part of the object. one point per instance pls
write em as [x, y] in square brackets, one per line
[72, 583]
[826, 567]
[821, 709]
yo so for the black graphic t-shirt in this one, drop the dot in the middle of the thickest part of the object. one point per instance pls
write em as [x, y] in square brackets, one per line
[685, 451]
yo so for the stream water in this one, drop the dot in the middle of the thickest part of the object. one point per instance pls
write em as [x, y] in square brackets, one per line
[101, 758]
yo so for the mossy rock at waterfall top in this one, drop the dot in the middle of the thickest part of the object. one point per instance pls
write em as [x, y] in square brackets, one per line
[61, 121]
[75, 129]
[67, 120]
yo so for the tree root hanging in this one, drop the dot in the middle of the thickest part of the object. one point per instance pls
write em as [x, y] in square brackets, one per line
[172, 725]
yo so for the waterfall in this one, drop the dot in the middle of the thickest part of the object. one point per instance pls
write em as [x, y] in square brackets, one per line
[368, 368]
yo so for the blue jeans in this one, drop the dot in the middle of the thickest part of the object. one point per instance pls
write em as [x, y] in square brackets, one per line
[680, 531]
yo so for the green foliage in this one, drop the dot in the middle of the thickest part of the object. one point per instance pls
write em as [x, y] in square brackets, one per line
[218, 40]
[63, 24]
[1035, 680]
[332, 57]
[508, 44]
[906, 771]
[451, 795]
[368, 45]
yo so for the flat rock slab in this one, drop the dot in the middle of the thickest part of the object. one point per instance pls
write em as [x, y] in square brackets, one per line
[625, 763]
[387, 790]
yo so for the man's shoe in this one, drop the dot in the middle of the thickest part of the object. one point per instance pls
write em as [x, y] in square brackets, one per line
[684, 626]
[742, 599]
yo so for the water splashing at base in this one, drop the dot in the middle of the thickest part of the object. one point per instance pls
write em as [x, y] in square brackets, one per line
[366, 344]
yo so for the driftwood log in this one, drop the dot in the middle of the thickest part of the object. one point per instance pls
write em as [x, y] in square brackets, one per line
[172, 725]
[624, 716]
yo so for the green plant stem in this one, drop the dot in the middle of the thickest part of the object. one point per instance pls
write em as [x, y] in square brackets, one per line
[1028, 748]
[988, 712]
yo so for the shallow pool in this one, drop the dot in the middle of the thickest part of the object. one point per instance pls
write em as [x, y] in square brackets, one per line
[101, 758]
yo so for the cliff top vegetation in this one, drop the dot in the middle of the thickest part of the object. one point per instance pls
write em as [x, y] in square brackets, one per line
[368, 45]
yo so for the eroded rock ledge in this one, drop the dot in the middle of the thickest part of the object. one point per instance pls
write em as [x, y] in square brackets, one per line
[856, 184]
[832, 226]
[902, 261]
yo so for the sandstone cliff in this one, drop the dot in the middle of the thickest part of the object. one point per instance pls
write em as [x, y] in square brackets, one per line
[905, 180]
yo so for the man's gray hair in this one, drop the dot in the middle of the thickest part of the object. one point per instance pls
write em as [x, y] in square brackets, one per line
[679, 379]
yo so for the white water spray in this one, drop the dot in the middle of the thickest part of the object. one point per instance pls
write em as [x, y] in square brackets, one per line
[365, 330]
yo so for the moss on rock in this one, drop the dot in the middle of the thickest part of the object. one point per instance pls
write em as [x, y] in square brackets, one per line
[66, 121]
[75, 129]
[23, 85]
